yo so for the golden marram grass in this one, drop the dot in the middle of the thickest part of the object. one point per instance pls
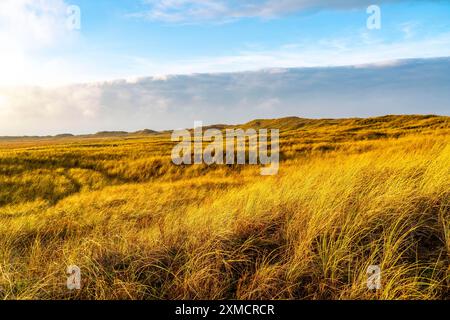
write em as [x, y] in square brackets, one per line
[350, 193]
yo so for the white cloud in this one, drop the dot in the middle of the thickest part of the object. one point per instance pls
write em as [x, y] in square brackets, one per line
[28, 28]
[4, 105]
[354, 50]
[31, 24]
[409, 29]
[193, 11]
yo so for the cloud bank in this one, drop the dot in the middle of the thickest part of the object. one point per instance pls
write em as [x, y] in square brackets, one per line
[398, 87]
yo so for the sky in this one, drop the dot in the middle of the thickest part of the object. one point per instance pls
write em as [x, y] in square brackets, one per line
[159, 64]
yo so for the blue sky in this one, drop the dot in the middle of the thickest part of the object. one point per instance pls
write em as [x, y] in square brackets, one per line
[149, 45]
[127, 28]
[136, 51]
[136, 38]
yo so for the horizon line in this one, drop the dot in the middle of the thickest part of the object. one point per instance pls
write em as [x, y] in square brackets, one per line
[118, 133]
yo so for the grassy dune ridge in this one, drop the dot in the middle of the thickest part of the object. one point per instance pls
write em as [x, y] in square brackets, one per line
[350, 193]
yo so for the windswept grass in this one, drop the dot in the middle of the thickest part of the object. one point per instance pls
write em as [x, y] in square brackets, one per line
[349, 194]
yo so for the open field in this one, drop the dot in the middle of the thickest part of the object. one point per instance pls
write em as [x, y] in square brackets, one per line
[350, 193]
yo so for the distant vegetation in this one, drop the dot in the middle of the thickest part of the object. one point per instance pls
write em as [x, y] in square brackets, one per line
[350, 193]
